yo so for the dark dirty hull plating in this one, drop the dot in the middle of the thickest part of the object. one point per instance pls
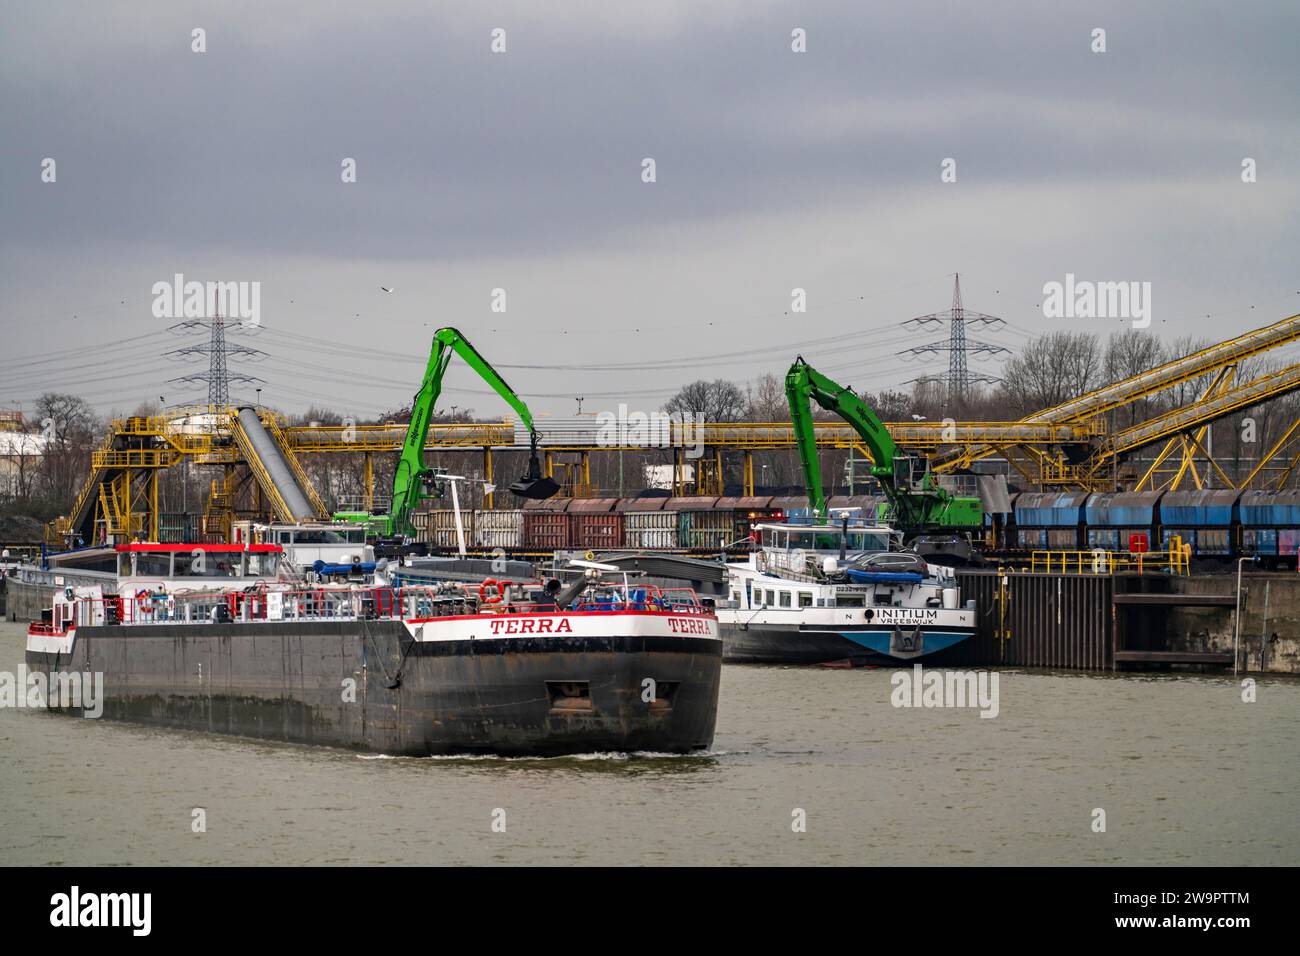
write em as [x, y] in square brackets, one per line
[285, 681]
[756, 644]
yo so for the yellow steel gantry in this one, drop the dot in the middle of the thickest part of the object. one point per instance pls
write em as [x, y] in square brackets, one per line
[1095, 470]
[120, 496]
[1069, 446]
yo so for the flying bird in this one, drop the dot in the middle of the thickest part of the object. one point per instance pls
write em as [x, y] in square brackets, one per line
[385, 288]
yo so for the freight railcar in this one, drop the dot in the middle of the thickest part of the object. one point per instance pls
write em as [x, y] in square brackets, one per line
[648, 524]
[1050, 520]
[1204, 520]
[705, 523]
[1122, 521]
[1269, 526]
[1217, 525]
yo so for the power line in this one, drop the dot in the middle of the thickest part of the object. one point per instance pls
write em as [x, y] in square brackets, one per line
[46, 358]
[218, 351]
[959, 377]
[843, 342]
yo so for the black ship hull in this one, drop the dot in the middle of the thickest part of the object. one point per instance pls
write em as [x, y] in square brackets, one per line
[369, 685]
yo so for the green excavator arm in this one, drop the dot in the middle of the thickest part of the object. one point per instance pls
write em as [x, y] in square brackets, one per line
[917, 504]
[411, 475]
[803, 385]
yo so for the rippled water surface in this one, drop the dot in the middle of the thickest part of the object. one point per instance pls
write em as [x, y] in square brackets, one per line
[1184, 770]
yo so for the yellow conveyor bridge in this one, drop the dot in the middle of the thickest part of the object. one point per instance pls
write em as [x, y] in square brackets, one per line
[1072, 446]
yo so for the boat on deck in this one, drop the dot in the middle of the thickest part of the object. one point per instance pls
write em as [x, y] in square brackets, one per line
[499, 668]
[838, 595]
[323, 548]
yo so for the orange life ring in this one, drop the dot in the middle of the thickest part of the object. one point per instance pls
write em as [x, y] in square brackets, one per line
[482, 591]
[143, 599]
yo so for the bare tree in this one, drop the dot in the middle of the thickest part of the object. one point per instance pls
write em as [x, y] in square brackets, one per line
[1130, 353]
[1184, 393]
[1051, 369]
[717, 401]
[889, 405]
[766, 399]
[71, 430]
[929, 399]
[20, 455]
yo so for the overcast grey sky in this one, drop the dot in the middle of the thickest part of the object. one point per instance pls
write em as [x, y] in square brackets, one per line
[522, 170]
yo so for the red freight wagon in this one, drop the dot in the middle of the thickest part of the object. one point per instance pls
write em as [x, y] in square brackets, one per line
[546, 530]
[596, 531]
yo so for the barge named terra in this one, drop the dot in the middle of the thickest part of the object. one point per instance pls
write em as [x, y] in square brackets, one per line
[502, 669]
[846, 596]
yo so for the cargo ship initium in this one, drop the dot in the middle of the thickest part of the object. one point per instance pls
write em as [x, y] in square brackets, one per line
[846, 596]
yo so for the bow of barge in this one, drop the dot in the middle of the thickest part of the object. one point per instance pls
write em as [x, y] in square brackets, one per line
[405, 671]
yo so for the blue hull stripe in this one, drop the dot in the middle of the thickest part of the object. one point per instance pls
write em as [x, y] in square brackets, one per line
[878, 641]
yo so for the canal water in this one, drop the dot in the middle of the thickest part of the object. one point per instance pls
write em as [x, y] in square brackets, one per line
[810, 766]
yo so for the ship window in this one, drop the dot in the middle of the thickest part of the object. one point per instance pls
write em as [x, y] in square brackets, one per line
[225, 566]
[816, 540]
[209, 564]
[805, 599]
[866, 541]
[153, 565]
[100, 562]
[323, 536]
[771, 598]
[735, 596]
[785, 598]
[849, 600]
